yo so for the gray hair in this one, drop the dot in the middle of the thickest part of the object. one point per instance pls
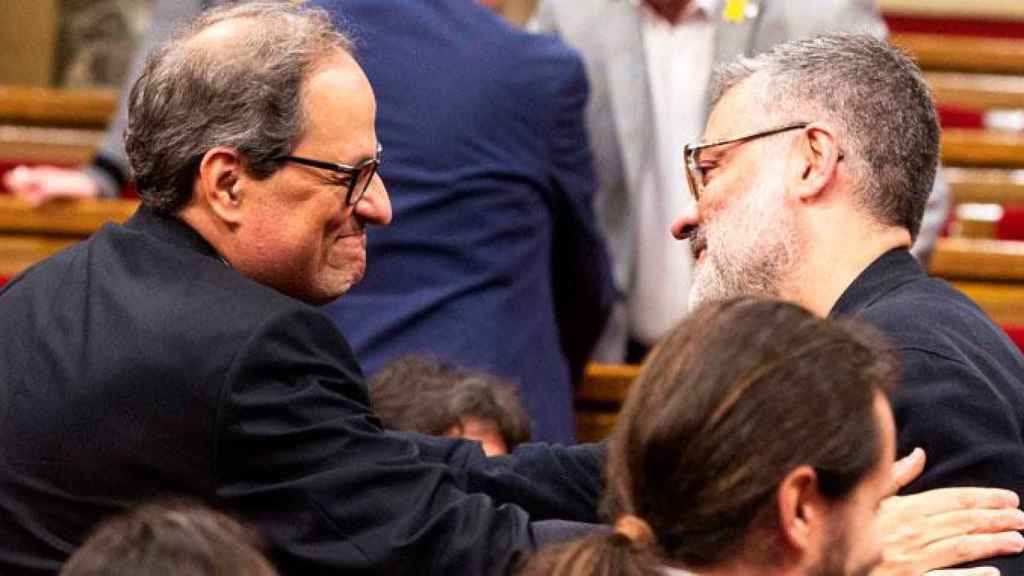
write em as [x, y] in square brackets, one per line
[876, 96]
[194, 95]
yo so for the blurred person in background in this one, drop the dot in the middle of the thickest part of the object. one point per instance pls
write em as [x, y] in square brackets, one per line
[422, 394]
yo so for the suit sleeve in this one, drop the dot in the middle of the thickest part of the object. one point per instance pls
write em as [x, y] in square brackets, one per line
[533, 477]
[968, 430]
[300, 455]
[582, 281]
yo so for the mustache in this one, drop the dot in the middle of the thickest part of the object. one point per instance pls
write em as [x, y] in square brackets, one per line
[698, 241]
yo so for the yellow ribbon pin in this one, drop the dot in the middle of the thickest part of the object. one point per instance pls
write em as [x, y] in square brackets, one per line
[735, 11]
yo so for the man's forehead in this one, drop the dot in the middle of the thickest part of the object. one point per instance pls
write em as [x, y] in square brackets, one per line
[735, 113]
[341, 108]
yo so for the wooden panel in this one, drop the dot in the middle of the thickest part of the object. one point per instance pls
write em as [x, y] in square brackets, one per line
[36, 105]
[599, 398]
[979, 260]
[985, 186]
[606, 382]
[48, 145]
[78, 218]
[982, 148]
[964, 53]
[1003, 302]
[993, 9]
[594, 426]
[19, 252]
[978, 91]
[28, 41]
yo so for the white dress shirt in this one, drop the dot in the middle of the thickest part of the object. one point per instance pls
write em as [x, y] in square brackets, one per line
[679, 60]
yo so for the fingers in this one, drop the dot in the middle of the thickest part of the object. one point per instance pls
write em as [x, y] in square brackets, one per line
[950, 499]
[983, 571]
[969, 548]
[962, 522]
[906, 469]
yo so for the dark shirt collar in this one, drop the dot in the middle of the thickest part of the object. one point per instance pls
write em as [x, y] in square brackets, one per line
[891, 270]
[169, 228]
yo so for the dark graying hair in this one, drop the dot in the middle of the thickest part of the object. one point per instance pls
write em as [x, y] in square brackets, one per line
[422, 394]
[195, 94]
[876, 96]
[176, 537]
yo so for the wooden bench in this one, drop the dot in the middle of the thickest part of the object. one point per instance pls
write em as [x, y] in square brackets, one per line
[19, 252]
[53, 126]
[30, 234]
[599, 398]
[977, 91]
[982, 148]
[964, 53]
[38, 106]
[979, 260]
[76, 219]
[985, 186]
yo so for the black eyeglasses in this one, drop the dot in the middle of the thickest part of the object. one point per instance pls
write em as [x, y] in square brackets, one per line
[359, 176]
[694, 172]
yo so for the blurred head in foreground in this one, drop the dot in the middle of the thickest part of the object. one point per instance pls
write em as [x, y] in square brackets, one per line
[169, 539]
[758, 439]
[422, 394]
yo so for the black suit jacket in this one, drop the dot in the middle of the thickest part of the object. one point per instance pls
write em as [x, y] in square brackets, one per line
[137, 365]
[962, 393]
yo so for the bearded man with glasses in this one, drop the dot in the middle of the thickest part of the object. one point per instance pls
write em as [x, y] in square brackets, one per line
[811, 188]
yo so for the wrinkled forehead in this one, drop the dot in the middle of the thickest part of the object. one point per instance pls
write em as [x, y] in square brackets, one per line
[739, 111]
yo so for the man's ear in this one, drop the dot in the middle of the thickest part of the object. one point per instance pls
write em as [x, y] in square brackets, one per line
[803, 511]
[819, 160]
[220, 177]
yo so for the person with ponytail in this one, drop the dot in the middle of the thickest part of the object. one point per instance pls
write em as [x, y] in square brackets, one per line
[758, 440]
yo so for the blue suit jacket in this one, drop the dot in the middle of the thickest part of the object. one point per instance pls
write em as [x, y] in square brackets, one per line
[493, 260]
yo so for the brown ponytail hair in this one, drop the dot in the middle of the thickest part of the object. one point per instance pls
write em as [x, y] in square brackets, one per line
[734, 398]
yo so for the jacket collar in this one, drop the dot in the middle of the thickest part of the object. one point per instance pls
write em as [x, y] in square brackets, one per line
[170, 229]
[890, 271]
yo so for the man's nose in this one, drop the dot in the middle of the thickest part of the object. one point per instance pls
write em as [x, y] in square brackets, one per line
[686, 224]
[375, 206]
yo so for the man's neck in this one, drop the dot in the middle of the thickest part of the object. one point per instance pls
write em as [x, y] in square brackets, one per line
[200, 219]
[833, 260]
[671, 11]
